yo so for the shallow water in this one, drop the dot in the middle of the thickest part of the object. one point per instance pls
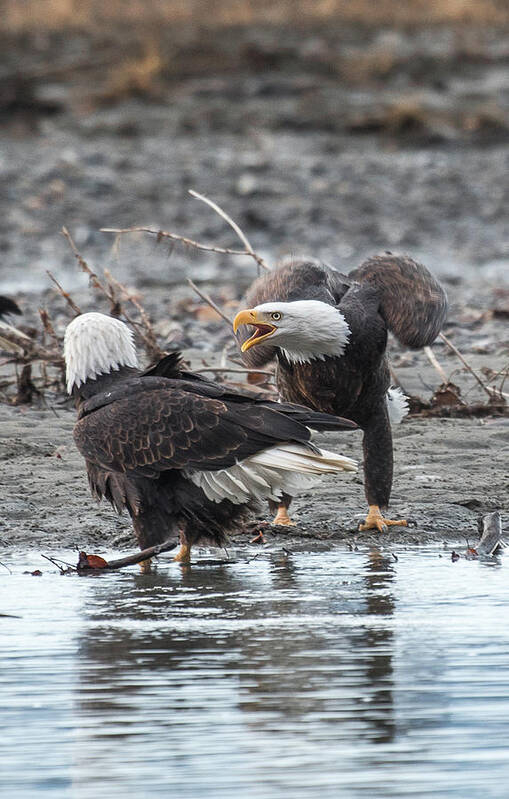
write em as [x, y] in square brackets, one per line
[333, 674]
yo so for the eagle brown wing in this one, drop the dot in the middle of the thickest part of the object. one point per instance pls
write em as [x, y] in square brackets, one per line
[412, 302]
[154, 430]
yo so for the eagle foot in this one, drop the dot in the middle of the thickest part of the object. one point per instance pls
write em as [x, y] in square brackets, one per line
[281, 518]
[376, 521]
[146, 566]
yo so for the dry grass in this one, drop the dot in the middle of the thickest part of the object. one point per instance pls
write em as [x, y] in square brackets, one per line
[93, 14]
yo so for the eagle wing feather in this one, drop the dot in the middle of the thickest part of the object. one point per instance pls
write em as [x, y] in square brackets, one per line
[413, 304]
[152, 431]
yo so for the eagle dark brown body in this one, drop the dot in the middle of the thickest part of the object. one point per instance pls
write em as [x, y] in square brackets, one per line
[386, 292]
[143, 433]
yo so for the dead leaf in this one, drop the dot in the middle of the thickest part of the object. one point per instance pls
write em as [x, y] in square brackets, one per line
[91, 561]
[446, 395]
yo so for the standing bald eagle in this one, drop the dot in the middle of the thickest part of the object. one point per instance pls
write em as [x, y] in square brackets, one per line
[328, 333]
[182, 453]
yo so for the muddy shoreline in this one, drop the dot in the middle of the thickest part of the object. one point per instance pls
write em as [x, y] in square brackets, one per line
[337, 142]
[448, 473]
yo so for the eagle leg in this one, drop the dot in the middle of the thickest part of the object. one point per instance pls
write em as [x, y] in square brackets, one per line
[146, 566]
[281, 510]
[376, 521]
[282, 517]
[184, 553]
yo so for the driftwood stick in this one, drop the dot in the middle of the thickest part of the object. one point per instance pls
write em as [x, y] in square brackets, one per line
[210, 302]
[242, 236]
[434, 362]
[491, 539]
[131, 560]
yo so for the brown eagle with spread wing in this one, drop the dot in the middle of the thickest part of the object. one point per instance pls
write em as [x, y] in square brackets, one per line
[328, 334]
[181, 453]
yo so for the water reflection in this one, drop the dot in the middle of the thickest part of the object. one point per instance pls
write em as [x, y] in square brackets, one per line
[350, 674]
[179, 646]
[379, 643]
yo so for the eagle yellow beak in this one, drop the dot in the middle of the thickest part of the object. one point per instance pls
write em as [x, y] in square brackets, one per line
[263, 329]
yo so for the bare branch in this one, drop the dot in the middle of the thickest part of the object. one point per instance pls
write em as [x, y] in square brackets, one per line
[148, 335]
[94, 280]
[210, 302]
[56, 562]
[63, 293]
[81, 261]
[485, 388]
[31, 350]
[164, 234]
[434, 362]
[242, 236]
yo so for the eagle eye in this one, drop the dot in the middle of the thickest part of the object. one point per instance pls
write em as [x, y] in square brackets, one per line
[276, 316]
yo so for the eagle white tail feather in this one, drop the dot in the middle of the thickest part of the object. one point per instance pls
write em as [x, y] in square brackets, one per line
[287, 468]
[293, 457]
[397, 405]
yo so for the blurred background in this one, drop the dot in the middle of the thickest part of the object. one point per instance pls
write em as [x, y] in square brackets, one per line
[335, 129]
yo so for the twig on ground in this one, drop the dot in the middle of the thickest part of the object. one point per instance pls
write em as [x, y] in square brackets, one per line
[434, 362]
[210, 302]
[242, 236]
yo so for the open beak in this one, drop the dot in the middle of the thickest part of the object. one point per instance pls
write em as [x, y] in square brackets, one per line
[262, 331]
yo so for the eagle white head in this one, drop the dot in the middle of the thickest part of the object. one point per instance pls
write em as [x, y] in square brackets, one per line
[96, 344]
[304, 329]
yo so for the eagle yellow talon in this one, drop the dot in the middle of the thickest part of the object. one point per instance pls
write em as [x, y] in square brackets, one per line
[184, 554]
[146, 566]
[281, 518]
[375, 521]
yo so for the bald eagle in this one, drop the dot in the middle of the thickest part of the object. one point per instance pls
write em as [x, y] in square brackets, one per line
[328, 334]
[181, 453]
